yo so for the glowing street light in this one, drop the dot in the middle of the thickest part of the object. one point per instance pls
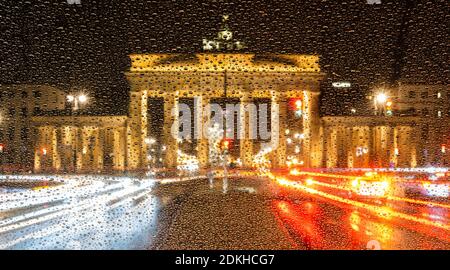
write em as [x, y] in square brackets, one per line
[381, 98]
[76, 100]
[70, 98]
[82, 98]
[297, 106]
[383, 104]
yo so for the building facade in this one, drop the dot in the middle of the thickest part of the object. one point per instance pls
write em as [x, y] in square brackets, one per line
[423, 100]
[431, 105]
[80, 143]
[19, 104]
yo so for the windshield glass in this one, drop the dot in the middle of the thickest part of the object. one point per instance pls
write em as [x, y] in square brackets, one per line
[224, 125]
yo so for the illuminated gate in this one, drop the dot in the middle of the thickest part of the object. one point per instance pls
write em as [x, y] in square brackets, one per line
[208, 76]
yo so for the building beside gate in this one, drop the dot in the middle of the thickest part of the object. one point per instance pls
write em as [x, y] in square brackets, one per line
[19, 103]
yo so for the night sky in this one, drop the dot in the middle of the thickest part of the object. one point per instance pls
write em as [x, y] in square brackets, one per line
[86, 45]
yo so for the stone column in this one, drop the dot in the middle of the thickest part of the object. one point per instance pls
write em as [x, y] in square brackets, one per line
[40, 144]
[406, 146]
[312, 142]
[393, 145]
[46, 159]
[360, 138]
[170, 131]
[371, 141]
[144, 118]
[54, 149]
[202, 115]
[278, 126]
[351, 148]
[119, 148]
[83, 148]
[348, 142]
[137, 130]
[383, 142]
[246, 142]
[414, 138]
[365, 141]
[100, 147]
[76, 148]
[331, 147]
[341, 159]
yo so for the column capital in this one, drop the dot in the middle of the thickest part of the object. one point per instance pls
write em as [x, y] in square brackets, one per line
[278, 96]
[246, 97]
[171, 97]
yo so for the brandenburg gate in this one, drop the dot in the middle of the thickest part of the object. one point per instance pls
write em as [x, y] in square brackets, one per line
[203, 77]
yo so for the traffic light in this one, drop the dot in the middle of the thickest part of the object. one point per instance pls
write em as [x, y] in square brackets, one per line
[225, 144]
[389, 108]
[2, 147]
[297, 105]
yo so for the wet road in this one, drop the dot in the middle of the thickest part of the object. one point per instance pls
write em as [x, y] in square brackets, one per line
[256, 214]
[246, 213]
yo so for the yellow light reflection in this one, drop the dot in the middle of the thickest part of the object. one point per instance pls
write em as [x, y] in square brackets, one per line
[380, 211]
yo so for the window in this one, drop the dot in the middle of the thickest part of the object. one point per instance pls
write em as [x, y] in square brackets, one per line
[24, 112]
[36, 110]
[37, 94]
[411, 94]
[424, 94]
[24, 134]
[11, 133]
[11, 112]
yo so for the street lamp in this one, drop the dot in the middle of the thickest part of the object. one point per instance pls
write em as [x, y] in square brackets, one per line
[381, 98]
[383, 105]
[77, 100]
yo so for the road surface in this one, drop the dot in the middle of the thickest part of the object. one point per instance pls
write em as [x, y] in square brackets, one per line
[246, 213]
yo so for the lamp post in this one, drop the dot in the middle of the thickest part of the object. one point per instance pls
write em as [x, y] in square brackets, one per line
[380, 101]
[76, 102]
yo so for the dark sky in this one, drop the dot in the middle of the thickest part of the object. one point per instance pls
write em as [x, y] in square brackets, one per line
[50, 41]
